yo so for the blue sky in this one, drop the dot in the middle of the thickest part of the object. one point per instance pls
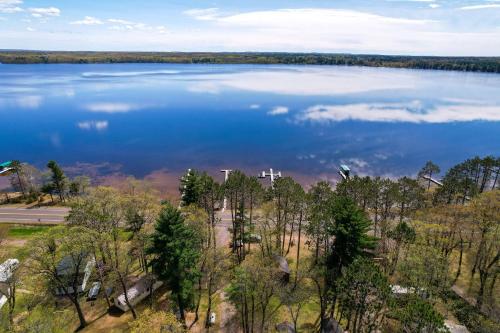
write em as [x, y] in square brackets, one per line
[415, 27]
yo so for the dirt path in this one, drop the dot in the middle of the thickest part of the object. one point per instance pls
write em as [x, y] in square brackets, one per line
[227, 315]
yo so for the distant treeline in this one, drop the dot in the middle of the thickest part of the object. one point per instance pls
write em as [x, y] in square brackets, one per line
[470, 64]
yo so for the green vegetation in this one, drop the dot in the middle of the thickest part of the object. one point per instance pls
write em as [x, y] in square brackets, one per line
[175, 249]
[370, 254]
[471, 64]
[26, 231]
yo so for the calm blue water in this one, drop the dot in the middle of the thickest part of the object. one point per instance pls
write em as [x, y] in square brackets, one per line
[299, 119]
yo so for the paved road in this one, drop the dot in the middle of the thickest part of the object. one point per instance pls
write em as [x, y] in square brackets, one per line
[33, 215]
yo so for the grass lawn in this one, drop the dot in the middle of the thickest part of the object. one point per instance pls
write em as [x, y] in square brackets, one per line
[24, 232]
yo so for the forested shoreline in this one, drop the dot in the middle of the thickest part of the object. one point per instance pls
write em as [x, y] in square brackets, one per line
[468, 64]
[369, 254]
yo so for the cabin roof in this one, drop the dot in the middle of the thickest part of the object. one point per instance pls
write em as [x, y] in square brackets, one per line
[5, 164]
[67, 264]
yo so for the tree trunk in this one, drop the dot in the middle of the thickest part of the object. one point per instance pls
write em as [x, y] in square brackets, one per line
[198, 301]
[209, 306]
[298, 250]
[20, 183]
[124, 287]
[81, 317]
[12, 303]
[483, 276]
[180, 304]
[459, 269]
[493, 282]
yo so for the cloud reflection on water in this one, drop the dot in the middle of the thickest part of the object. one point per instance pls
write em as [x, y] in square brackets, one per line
[400, 112]
[313, 81]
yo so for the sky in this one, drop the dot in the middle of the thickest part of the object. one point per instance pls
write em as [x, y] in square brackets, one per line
[410, 27]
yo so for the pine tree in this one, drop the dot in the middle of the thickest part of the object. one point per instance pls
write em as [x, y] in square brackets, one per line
[58, 178]
[176, 249]
[190, 188]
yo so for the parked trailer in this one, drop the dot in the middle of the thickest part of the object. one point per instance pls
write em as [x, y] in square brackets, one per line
[137, 293]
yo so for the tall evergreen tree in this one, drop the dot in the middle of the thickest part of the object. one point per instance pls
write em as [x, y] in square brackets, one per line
[350, 228]
[190, 188]
[175, 248]
[58, 179]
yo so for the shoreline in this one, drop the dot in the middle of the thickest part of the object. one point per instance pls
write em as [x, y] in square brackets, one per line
[462, 64]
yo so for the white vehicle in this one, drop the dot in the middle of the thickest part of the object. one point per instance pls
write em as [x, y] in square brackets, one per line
[212, 318]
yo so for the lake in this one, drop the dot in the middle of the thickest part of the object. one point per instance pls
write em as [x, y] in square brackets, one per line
[302, 120]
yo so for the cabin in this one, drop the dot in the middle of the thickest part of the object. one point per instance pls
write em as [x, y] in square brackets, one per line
[135, 294]
[65, 270]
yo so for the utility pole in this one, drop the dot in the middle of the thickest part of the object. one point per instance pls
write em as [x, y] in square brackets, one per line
[271, 175]
[226, 176]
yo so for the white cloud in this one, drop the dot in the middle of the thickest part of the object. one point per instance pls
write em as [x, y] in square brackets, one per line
[124, 25]
[10, 6]
[312, 18]
[119, 21]
[88, 20]
[291, 30]
[44, 12]
[476, 7]
[399, 112]
[111, 107]
[434, 5]
[254, 106]
[279, 110]
[30, 29]
[93, 125]
[206, 14]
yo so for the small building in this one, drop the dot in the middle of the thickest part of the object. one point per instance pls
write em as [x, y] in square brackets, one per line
[65, 270]
[135, 294]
